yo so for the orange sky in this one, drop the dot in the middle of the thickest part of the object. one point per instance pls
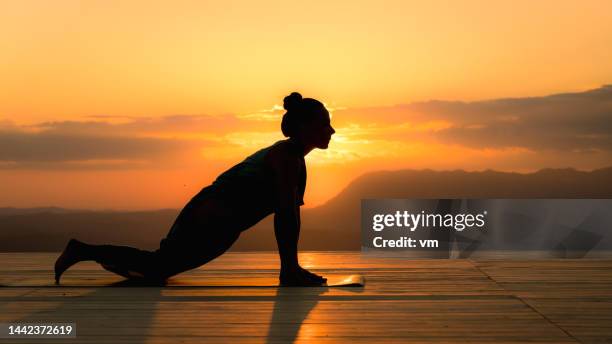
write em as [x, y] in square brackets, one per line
[139, 104]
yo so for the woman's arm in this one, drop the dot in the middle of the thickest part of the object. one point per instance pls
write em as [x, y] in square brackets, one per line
[286, 211]
[287, 232]
[287, 221]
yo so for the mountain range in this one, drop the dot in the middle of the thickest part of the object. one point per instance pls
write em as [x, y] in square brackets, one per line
[334, 225]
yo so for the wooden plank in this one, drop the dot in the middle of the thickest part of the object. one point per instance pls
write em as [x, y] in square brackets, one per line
[437, 301]
[575, 295]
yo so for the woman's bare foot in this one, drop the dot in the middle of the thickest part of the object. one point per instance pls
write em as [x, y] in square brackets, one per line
[298, 276]
[72, 254]
[313, 276]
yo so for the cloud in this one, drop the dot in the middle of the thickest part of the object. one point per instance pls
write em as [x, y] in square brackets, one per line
[115, 141]
[108, 144]
[143, 126]
[580, 121]
[50, 151]
[577, 123]
[53, 147]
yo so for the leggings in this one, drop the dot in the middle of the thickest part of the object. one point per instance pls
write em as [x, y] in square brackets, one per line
[171, 258]
[177, 253]
[199, 234]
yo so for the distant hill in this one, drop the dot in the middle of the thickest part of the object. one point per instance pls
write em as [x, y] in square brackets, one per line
[49, 230]
[335, 225]
[6, 211]
[332, 226]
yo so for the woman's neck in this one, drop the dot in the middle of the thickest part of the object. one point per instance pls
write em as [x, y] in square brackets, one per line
[300, 147]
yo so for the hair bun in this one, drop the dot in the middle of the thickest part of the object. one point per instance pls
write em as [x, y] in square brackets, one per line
[292, 101]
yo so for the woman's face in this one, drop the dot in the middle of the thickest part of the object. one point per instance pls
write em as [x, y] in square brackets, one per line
[318, 132]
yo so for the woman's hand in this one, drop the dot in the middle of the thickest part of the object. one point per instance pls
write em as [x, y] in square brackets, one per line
[298, 276]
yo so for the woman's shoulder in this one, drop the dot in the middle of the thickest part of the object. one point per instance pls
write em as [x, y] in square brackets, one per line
[283, 153]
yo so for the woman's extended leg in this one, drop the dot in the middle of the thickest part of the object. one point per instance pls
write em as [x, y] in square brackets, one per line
[198, 235]
[123, 260]
[171, 258]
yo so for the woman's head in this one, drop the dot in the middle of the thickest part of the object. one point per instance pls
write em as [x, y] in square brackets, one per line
[306, 120]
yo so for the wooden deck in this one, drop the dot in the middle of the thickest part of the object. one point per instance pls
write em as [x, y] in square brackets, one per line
[408, 301]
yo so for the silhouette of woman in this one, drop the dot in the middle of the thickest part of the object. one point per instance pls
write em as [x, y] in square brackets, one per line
[272, 180]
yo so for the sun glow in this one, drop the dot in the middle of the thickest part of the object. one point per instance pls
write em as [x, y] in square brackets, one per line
[151, 90]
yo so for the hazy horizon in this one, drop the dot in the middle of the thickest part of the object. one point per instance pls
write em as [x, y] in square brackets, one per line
[111, 209]
[337, 220]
